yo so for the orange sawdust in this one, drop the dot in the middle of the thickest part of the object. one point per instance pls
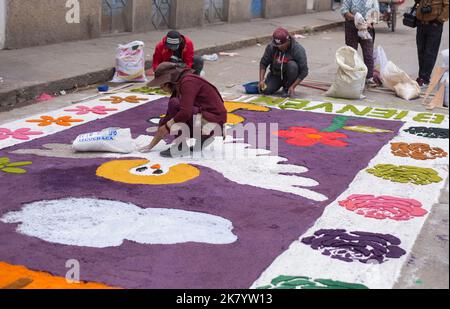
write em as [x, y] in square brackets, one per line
[417, 151]
[20, 277]
[235, 106]
[120, 171]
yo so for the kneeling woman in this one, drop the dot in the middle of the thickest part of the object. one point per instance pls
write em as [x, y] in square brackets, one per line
[194, 101]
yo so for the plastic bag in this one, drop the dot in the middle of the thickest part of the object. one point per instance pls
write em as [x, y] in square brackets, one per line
[380, 59]
[445, 78]
[351, 76]
[400, 82]
[380, 62]
[130, 63]
[362, 26]
[108, 140]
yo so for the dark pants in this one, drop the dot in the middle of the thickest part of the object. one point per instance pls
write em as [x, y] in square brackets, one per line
[275, 82]
[174, 108]
[352, 39]
[428, 43]
[198, 65]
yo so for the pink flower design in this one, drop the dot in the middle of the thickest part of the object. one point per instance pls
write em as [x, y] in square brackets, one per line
[99, 110]
[20, 134]
[384, 207]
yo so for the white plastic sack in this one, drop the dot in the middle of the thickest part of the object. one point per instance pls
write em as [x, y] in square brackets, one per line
[380, 59]
[400, 82]
[351, 76]
[108, 140]
[130, 63]
[445, 78]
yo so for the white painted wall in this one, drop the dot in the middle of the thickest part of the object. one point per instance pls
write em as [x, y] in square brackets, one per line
[310, 4]
[2, 23]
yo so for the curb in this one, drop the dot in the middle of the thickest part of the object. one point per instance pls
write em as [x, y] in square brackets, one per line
[19, 97]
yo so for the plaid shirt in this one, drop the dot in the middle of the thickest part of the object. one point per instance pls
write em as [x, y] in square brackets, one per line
[364, 7]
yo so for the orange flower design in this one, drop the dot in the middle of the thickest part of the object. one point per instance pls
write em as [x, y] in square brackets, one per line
[129, 99]
[65, 121]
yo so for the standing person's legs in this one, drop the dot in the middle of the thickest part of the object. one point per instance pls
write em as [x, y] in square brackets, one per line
[421, 41]
[351, 35]
[198, 65]
[367, 48]
[273, 83]
[434, 36]
[290, 74]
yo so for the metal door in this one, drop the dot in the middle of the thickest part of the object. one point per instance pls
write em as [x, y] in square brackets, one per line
[114, 16]
[214, 11]
[257, 8]
[161, 13]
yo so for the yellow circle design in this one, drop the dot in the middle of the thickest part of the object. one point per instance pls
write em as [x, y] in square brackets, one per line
[120, 171]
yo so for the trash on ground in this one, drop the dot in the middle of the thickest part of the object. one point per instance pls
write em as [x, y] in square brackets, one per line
[213, 57]
[229, 54]
[44, 97]
[299, 36]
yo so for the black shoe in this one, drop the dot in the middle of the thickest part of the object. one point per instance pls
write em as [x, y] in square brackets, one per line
[285, 93]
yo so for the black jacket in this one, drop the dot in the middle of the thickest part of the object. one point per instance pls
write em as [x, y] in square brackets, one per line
[277, 59]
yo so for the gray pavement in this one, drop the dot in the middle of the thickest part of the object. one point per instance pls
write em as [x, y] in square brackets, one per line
[29, 72]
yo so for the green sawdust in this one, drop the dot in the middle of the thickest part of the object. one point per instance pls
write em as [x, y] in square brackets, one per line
[406, 174]
[9, 167]
[150, 91]
[293, 282]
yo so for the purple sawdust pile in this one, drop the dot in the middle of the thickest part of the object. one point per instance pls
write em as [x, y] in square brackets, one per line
[355, 246]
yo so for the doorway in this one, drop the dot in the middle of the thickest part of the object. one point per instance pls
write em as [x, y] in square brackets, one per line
[115, 17]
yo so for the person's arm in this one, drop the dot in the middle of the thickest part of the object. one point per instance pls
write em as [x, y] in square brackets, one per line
[188, 55]
[262, 83]
[189, 90]
[444, 14]
[157, 57]
[266, 61]
[345, 10]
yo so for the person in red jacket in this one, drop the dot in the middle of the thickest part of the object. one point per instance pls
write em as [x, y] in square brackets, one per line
[194, 102]
[179, 49]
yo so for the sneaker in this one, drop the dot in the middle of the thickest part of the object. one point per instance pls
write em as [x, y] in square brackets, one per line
[285, 93]
[422, 82]
[370, 82]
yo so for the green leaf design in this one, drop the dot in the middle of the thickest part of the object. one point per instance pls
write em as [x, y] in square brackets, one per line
[16, 164]
[365, 129]
[295, 282]
[14, 170]
[4, 160]
[338, 123]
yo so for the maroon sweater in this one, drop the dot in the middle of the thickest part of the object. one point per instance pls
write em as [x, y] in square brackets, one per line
[196, 91]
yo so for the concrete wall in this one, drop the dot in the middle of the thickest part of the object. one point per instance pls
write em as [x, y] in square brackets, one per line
[31, 22]
[278, 8]
[237, 11]
[2, 23]
[141, 16]
[186, 14]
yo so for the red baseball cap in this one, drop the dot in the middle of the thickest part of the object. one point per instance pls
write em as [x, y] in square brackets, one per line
[281, 36]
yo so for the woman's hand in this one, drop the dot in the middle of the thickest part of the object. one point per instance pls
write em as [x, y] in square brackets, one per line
[162, 132]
